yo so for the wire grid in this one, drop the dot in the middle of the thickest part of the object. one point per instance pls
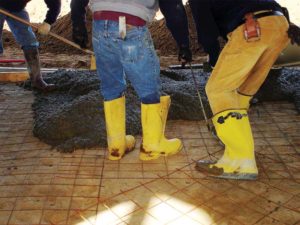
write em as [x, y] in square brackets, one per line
[33, 174]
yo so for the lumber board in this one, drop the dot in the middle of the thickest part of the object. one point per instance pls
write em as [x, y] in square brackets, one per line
[13, 76]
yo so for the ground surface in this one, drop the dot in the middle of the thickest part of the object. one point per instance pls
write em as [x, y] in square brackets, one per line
[41, 186]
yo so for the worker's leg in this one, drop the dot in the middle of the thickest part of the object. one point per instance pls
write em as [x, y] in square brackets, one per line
[27, 40]
[113, 85]
[108, 60]
[232, 69]
[231, 119]
[22, 33]
[238, 161]
[141, 66]
[243, 66]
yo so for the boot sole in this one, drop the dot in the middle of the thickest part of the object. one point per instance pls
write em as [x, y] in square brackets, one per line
[203, 166]
[238, 176]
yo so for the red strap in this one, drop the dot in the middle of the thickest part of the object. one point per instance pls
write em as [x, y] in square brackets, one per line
[114, 16]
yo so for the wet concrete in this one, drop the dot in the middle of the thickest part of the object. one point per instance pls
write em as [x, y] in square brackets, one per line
[72, 116]
[282, 84]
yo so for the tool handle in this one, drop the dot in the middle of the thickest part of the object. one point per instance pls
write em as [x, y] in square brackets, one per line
[70, 43]
[50, 33]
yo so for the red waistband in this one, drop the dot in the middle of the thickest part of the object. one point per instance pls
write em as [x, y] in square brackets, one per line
[110, 15]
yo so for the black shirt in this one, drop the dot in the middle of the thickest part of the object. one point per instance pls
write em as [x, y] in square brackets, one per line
[18, 5]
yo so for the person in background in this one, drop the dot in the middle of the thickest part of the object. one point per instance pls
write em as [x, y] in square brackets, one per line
[26, 38]
[124, 49]
[176, 21]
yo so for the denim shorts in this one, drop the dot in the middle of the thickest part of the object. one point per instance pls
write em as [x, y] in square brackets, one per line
[133, 58]
[22, 33]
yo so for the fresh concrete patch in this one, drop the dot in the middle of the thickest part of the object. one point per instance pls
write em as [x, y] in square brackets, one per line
[72, 116]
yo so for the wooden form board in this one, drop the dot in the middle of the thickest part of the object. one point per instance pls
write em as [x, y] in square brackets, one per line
[13, 76]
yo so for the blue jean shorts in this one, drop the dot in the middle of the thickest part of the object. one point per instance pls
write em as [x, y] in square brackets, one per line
[133, 58]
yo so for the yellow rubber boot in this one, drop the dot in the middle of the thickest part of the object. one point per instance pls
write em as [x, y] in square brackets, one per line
[118, 142]
[238, 162]
[244, 101]
[155, 144]
[165, 102]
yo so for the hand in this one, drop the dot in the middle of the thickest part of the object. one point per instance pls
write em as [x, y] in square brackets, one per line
[185, 54]
[294, 34]
[44, 28]
[80, 35]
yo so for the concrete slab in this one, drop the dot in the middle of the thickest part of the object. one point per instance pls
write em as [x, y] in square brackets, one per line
[39, 185]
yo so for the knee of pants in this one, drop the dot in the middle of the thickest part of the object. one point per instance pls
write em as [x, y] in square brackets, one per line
[153, 98]
[214, 94]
